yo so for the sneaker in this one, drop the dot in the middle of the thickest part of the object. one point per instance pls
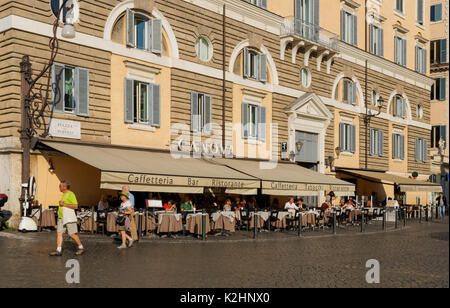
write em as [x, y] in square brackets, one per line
[130, 243]
[55, 254]
[79, 252]
[122, 247]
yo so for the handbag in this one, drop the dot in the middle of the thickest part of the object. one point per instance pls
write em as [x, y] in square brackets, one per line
[120, 220]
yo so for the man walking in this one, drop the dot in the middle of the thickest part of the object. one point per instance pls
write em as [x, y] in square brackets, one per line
[133, 228]
[67, 220]
[441, 202]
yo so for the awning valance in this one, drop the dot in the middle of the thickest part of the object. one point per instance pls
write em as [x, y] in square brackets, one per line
[286, 179]
[154, 171]
[405, 184]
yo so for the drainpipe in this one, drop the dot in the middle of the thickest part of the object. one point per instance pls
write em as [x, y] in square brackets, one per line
[224, 82]
[366, 120]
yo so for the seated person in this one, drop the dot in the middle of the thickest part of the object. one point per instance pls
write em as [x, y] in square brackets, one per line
[341, 204]
[237, 204]
[301, 205]
[187, 205]
[291, 207]
[227, 205]
[326, 205]
[349, 205]
[350, 200]
[170, 206]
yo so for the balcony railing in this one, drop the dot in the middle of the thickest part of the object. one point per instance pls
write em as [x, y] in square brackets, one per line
[311, 32]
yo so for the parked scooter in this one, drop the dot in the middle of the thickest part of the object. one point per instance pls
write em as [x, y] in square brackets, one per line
[4, 215]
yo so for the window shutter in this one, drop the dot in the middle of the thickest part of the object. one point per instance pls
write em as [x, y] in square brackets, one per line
[353, 138]
[424, 151]
[394, 146]
[355, 30]
[207, 110]
[156, 31]
[353, 88]
[82, 91]
[417, 149]
[420, 12]
[442, 89]
[424, 61]
[345, 91]
[381, 41]
[341, 136]
[417, 58]
[432, 13]
[403, 105]
[244, 120]
[371, 39]
[131, 36]
[264, 4]
[438, 12]
[129, 97]
[195, 117]
[246, 70]
[443, 51]
[403, 52]
[381, 143]
[343, 38]
[402, 147]
[155, 105]
[262, 67]
[58, 87]
[443, 134]
[371, 149]
[149, 34]
[262, 123]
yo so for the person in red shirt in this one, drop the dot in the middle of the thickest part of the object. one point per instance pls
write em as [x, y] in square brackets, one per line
[326, 205]
[170, 206]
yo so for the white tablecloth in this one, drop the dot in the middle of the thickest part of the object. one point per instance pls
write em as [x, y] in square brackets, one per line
[228, 214]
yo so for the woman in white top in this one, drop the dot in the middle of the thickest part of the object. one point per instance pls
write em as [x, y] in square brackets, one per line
[103, 203]
[127, 209]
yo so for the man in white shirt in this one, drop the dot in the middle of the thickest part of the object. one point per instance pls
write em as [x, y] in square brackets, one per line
[126, 188]
[291, 207]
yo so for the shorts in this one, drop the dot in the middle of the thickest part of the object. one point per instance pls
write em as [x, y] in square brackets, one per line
[71, 227]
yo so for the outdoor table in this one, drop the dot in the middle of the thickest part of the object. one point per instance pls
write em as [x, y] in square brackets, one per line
[262, 218]
[224, 220]
[309, 218]
[48, 218]
[194, 224]
[169, 223]
[86, 223]
[281, 222]
[111, 225]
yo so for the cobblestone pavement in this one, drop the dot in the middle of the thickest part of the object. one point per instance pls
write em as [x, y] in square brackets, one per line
[417, 256]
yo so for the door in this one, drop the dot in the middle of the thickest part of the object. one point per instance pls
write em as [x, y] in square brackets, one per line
[308, 157]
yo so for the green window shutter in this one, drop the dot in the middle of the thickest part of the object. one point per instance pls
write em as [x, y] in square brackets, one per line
[352, 138]
[402, 147]
[443, 51]
[343, 38]
[155, 106]
[443, 134]
[128, 101]
[353, 88]
[156, 34]
[417, 150]
[355, 30]
[58, 87]
[424, 61]
[394, 146]
[195, 117]
[262, 67]
[371, 38]
[420, 12]
[380, 143]
[261, 123]
[442, 89]
[403, 106]
[264, 4]
[403, 52]
[207, 110]
[246, 70]
[149, 34]
[131, 35]
[244, 120]
[381, 41]
[82, 91]
[372, 139]
[417, 58]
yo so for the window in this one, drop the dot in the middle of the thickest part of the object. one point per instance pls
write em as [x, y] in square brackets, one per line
[305, 78]
[376, 142]
[399, 6]
[347, 137]
[436, 12]
[419, 111]
[144, 33]
[438, 132]
[421, 150]
[438, 89]
[398, 146]
[438, 51]
[400, 50]
[349, 91]
[70, 89]
[376, 40]
[253, 122]
[375, 97]
[203, 48]
[420, 10]
[260, 3]
[142, 103]
[349, 28]
[201, 112]
[255, 65]
[421, 60]
[399, 106]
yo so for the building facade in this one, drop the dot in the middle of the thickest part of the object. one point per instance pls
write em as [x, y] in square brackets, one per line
[439, 93]
[265, 78]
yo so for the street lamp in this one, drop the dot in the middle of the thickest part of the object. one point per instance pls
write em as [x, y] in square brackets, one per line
[367, 118]
[36, 102]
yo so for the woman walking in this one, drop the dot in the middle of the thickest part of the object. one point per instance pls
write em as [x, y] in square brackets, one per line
[126, 209]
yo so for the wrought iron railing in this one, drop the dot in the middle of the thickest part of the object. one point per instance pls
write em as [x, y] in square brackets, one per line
[310, 32]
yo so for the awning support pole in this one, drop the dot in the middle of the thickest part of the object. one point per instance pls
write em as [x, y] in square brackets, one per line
[203, 225]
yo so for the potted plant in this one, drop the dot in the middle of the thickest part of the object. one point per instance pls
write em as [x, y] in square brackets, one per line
[415, 175]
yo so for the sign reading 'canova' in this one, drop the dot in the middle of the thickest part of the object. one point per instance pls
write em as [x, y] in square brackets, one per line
[65, 129]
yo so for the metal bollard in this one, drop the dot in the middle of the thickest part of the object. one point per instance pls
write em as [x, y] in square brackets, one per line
[362, 220]
[203, 225]
[334, 223]
[300, 221]
[431, 214]
[384, 219]
[396, 218]
[420, 214]
[404, 217]
[255, 219]
[426, 213]
[140, 225]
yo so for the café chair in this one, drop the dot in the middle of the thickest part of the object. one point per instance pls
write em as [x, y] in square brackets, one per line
[101, 221]
[273, 218]
[290, 221]
[245, 218]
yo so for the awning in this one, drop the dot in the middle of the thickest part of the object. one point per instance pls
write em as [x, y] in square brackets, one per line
[154, 171]
[405, 184]
[286, 179]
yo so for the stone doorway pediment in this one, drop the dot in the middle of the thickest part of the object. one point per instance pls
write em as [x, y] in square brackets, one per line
[311, 106]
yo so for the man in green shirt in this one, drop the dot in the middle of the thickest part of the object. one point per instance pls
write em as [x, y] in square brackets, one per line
[67, 219]
[187, 205]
